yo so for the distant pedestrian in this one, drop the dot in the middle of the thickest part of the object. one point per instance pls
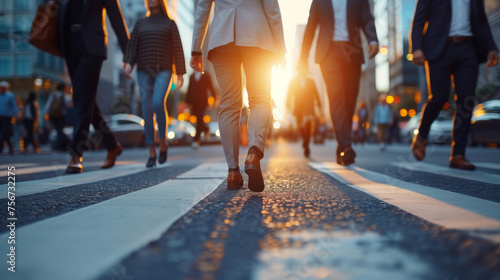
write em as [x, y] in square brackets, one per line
[362, 117]
[200, 90]
[383, 119]
[30, 119]
[8, 110]
[303, 96]
[83, 42]
[451, 38]
[56, 108]
[339, 52]
[250, 34]
[155, 47]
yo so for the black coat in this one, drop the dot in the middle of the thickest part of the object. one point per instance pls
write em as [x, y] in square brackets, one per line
[197, 94]
[93, 26]
[359, 18]
[436, 14]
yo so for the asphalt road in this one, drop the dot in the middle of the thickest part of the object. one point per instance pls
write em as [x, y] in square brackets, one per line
[385, 217]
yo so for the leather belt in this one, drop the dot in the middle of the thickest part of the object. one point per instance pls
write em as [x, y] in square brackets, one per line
[459, 39]
[76, 27]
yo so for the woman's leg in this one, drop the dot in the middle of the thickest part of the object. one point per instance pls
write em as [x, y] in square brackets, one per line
[146, 88]
[163, 82]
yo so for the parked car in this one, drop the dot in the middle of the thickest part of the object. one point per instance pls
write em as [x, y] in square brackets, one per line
[180, 133]
[439, 133]
[485, 128]
[213, 136]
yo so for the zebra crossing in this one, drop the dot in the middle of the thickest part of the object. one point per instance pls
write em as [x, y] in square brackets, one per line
[86, 242]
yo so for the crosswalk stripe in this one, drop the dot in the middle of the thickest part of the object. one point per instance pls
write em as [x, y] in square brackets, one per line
[99, 236]
[58, 168]
[451, 210]
[478, 176]
[495, 166]
[63, 181]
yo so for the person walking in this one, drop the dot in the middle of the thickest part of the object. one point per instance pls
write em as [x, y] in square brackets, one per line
[339, 52]
[8, 110]
[248, 33]
[56, 108]
[155, 46]
[83, 43]
[382, 119]
[30, 119]
[302, 97]
[362, 117]
[450, 38]
[200, 89]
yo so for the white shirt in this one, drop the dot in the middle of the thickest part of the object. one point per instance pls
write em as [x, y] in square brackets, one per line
[460, 18]
[341, 32]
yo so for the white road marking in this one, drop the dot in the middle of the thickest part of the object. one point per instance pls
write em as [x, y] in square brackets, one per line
[87, 242]
[476, 175]
[68, 180]
[444, 208]
[495, 166]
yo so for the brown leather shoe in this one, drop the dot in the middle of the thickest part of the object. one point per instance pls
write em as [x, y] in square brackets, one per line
[460, 162]
[252, 168]
[418, 147]
[346, 157]
[112, 155]
[75, 165]
[234, 180]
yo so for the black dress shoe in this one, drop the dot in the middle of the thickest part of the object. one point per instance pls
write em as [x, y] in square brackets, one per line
[151, 162]
[163, 156]
[347, 156]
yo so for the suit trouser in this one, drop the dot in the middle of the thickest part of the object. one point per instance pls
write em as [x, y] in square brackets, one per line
[84, 70]
[341, 73]
[257, 63]
[460, 61]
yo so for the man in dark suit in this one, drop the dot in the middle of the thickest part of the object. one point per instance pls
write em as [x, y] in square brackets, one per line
[450, 38]
[200, 89]
[339, 53]
[83, 42]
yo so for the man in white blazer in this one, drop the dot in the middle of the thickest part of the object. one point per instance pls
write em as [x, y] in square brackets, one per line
[248, 33]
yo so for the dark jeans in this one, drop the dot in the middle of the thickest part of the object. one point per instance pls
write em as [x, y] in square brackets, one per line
[84, 70]
[200, 124]
[341, 73]
[5, 132]
[459, 60]
[29, 125]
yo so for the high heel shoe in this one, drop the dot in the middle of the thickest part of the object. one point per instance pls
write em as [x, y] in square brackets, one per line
[151, 162]
[163, 156]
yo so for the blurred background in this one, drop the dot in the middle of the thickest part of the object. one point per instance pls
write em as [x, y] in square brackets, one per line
[391, 74]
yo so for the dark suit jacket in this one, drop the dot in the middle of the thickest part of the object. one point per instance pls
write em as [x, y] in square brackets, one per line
[359, 18]
[436, 14]
[94, 28]
[303, 98]
[197, 92]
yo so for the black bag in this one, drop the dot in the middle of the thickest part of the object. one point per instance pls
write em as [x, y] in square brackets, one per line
[57, 107]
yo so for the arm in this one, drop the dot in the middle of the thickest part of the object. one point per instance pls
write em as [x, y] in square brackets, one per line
[118, 22]
[180, 63]
[202, 15]
[418, 23]
[312, 23]
[368, 23]
[489, 41]
[132, 45]
[273, 15]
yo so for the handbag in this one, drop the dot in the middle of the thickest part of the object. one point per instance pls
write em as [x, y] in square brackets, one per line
[44, 33]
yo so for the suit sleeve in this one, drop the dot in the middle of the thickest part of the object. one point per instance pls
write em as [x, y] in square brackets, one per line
[202, 15]
[418, 24]
[312, 23]
[273, 15]
[485, 27]
[180, 64]
[368, 22]
[118, 22]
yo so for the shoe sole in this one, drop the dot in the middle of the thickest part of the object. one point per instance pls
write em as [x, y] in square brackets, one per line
[73, 170]
[463, 168]
[255, 180]
[235, 186]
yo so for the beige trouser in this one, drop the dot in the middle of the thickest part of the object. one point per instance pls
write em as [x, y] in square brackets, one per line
[257, 63]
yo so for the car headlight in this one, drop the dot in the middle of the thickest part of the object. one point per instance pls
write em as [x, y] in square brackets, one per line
[171, 135]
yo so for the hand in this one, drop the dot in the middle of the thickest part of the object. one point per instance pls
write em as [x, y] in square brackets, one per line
[127, 69]
[418, 58]
[373, 50]
[197, 63]
[492, 59]
[180, 81]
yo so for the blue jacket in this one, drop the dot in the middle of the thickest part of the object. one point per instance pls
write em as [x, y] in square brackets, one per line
[436, 14]
[8, 105]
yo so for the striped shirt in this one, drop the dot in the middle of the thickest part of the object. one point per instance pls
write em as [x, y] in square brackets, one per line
[155, 44]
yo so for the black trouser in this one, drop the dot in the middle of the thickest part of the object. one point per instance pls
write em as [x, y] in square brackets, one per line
[459, 60]
[5, 132]
[200, 124]
[29, 125]
[305, 125]
[84, 70]
[59, 126]
[341, 73]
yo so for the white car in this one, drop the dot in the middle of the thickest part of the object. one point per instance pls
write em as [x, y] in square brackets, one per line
[439, 133]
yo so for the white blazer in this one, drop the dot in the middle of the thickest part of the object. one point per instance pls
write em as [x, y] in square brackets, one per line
[248, 23]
